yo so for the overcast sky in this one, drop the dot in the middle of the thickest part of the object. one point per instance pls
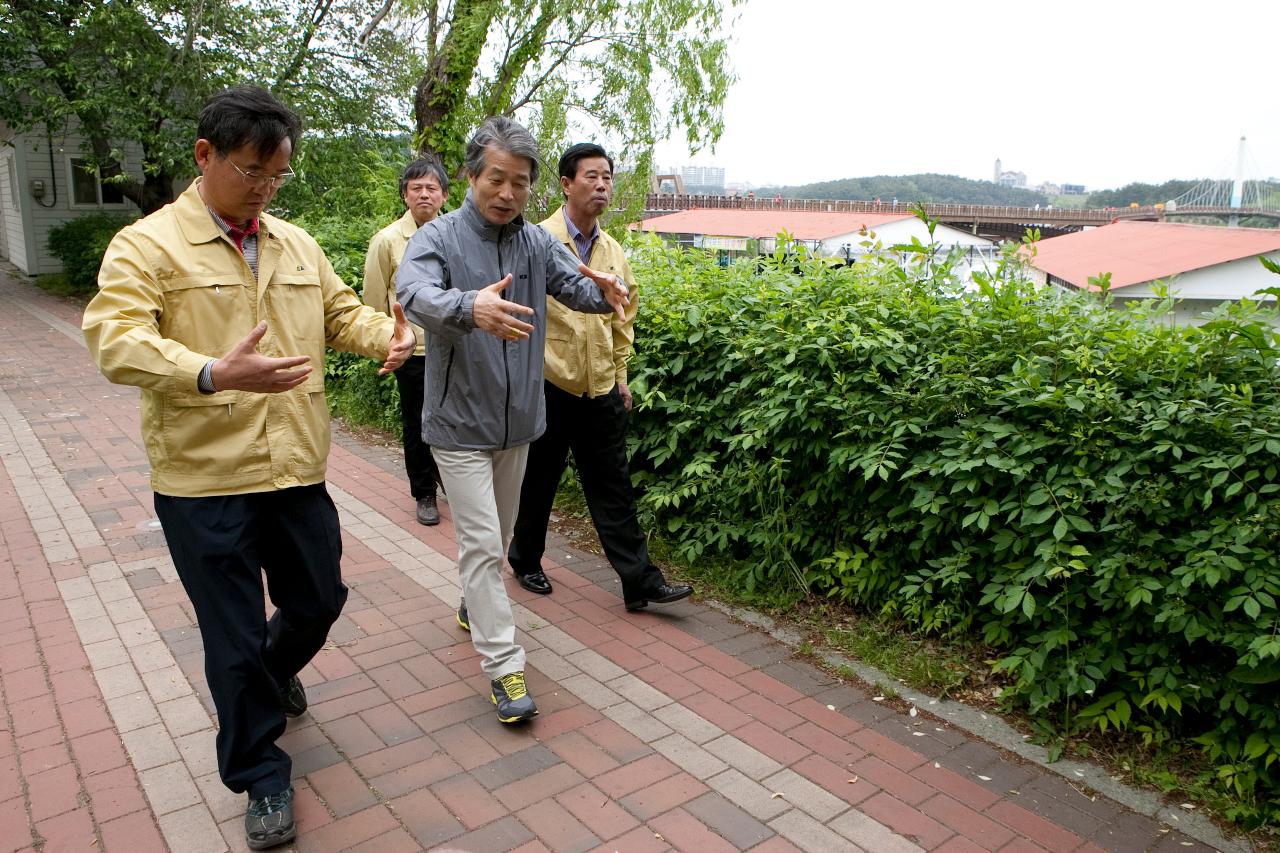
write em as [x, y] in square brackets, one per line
[1067, 91]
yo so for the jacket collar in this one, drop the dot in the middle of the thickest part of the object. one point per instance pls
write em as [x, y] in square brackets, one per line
[408, 227]
[198, 226]
[555, 223]
[487, 230]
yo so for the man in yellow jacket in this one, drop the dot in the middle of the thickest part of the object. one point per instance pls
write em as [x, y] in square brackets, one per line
[424, 187]
[221, 314]
[588, 401]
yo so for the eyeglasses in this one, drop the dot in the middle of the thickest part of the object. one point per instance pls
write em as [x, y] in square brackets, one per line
[259, 181]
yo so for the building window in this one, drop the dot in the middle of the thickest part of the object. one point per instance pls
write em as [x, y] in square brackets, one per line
[87, 189]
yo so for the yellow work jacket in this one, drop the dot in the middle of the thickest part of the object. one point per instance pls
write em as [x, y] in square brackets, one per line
[587, 354]
[175, 292]
[380, 265]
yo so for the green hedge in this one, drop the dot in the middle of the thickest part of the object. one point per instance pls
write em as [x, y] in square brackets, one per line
[1092, 492]
[80, 244]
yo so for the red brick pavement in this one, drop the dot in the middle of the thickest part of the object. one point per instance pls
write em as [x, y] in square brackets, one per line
[677, 728]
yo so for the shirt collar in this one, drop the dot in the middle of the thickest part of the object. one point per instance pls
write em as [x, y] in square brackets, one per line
[234, 232]
[575, 233]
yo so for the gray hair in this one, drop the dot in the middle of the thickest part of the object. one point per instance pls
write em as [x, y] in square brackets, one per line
[507, 135]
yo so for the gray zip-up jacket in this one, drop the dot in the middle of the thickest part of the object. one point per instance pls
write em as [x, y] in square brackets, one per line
[483, 393]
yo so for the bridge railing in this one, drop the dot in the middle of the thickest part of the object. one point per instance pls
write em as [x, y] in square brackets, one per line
[951, 212]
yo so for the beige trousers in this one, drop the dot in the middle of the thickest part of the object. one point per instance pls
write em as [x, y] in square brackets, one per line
[483, 488]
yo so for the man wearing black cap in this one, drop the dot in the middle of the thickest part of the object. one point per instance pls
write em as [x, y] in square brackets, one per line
[587, 402]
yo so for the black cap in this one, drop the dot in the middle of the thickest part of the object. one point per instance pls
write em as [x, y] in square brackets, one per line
[569, 159]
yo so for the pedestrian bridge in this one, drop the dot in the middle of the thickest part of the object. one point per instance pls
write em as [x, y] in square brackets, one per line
[987, 220]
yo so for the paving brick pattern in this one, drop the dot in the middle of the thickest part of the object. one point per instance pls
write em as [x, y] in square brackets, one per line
[677, 728]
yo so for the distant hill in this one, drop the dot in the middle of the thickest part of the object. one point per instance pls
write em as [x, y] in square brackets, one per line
[1145, 194]
[943, 189]
[1138, 193]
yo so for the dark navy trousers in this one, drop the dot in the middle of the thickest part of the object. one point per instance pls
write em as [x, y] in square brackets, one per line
[595, 430]
[419, 464]
[221, 547]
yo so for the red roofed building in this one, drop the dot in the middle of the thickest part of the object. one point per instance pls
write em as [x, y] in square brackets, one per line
[1202, 265]
[826, 233]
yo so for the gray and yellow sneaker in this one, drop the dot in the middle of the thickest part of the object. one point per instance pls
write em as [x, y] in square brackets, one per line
[293, 698]
[269, 820]
[463, 622]
[515, 705]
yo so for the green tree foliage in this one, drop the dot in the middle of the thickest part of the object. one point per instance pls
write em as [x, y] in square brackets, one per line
[1093, 492]
[626, 72]
[1139, 193]
[943, 189]
[347, 177]
[138, 72]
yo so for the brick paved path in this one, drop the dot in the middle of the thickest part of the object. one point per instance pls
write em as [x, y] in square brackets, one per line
[672, 729]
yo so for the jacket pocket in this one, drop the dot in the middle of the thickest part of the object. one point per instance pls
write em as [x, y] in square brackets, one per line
[296, 323]
[214, 436]
[207, 314]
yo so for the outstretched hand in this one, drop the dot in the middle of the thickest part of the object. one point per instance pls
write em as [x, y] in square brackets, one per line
[246, 369]
[402, 342]
[615, 289]
[494, 315]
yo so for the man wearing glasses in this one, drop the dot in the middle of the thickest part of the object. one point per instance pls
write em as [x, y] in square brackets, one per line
[221, 314]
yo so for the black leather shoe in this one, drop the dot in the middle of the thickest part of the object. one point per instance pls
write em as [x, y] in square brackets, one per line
[269, 820]
[428, 514]
[293, 698]
[661, 594]
[535, 582]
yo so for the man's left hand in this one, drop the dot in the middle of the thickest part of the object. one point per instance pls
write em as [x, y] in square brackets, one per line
[625, 393]
[402, 342]
[615, 289]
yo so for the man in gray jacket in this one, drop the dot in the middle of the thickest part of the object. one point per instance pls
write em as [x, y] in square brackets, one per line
[477, 281]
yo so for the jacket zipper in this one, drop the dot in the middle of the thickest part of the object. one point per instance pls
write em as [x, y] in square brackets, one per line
[448, 371]
[506, 367]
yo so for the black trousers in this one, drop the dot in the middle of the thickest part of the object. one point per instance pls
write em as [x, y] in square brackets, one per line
[419, 464]
[221, 547]
[595, 430]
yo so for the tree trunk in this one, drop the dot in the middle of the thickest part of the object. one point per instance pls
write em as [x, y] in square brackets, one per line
[442, 89]
[153, 192]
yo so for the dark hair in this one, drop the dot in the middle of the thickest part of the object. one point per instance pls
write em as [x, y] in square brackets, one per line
[422, 167]
[248, 115]
[506, 134]
[569, 159]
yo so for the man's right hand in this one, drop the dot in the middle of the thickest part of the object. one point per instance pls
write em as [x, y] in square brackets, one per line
[492, 313]
[246, 369]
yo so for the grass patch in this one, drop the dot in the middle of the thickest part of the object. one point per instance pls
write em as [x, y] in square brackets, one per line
[57, 284]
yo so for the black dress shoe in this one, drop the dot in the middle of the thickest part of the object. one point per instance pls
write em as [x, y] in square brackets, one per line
[661, 594]
[428, 514]
[535, 582]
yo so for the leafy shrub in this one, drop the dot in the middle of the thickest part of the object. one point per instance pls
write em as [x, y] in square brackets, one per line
[1095, 493]
[80, 244]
